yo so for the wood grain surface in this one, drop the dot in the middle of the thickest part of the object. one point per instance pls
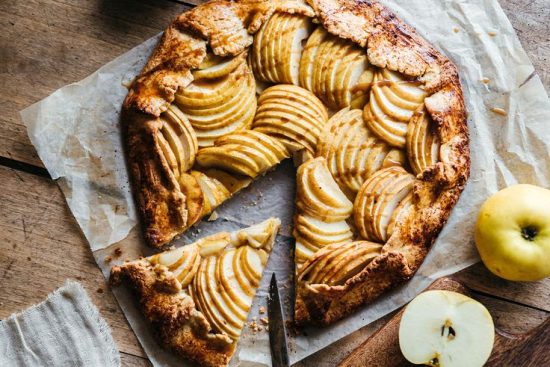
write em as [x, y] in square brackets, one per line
[46, 44]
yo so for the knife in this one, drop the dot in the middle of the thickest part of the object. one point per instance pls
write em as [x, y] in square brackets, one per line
[277, 327]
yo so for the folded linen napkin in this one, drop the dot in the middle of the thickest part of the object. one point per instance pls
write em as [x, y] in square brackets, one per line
[64, 330]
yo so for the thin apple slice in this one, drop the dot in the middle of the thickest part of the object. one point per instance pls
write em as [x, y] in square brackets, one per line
[423, 142]
[367, 252]
[309, 57]
[444, 328]
[278, 48]
[345, 264]
[385, 208]
[217, 67]
[248, 153]
[378, 200]
[209, 93]
[319, 195]
[302, 31]
[194, 198]
[232, 182]
[338, 54]
[183, 262]
[279, 114]
[393, 101]
[214, 191]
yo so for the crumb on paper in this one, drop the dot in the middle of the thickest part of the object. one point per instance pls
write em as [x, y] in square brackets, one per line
[264, 321]
[456, 29]
[499, 111]
[108, 259]
[492, 33]
[262, 309]
[118, 252]
[485, 80]
[213, 216]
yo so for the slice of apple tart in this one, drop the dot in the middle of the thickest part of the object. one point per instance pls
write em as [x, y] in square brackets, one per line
[197, 297]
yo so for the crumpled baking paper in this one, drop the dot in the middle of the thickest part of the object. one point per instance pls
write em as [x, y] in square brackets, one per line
[76, 134]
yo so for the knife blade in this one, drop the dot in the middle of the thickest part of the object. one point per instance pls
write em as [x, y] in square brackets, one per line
[277, 327]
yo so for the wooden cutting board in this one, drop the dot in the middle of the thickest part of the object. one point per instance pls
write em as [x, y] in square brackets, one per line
[382, 348]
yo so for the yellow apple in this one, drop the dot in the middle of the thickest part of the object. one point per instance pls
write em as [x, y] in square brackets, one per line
[513, 233]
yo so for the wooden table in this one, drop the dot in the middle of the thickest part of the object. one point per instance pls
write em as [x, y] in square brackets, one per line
[46, 44]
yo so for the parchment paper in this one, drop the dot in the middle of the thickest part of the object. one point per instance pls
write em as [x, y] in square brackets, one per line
[76, 134]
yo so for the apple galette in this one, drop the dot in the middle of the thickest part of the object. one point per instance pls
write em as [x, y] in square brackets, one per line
[197, 297]
[371, 113]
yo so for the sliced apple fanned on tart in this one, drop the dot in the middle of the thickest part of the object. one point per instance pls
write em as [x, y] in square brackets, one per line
[371, 113]
[197, 297]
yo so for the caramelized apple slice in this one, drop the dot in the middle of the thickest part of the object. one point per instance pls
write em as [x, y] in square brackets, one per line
[309, 57]
[248, 153]
[378, 200]
[335, 264]
[313, 234]
[293, 113]
[231, 181]
[318, 195]
[217, 107]
[393, 100]
[278, 48]
[194, 198]
[352, 152]
[423, 142]
[183, 262]
[177, 140]
[214, 192]
[216, 67]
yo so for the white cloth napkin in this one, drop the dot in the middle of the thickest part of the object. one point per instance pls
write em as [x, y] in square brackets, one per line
[64, 330]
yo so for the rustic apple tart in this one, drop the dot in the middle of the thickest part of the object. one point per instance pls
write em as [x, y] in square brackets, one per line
[371, 113]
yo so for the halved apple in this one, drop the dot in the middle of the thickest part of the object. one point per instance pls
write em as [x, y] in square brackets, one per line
[214, 192]
[248, 153]
[277, 48]
[393, 100]
[378, 201]
[318, 195]
[335, 264]
[292, 113]
[447, 329]
[423, 142]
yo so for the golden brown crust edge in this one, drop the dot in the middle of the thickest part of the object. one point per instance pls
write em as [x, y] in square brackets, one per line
[394, 45]
[172, 315]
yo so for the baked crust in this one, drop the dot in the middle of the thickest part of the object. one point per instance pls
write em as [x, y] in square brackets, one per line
[228, 28]
[173, 315]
